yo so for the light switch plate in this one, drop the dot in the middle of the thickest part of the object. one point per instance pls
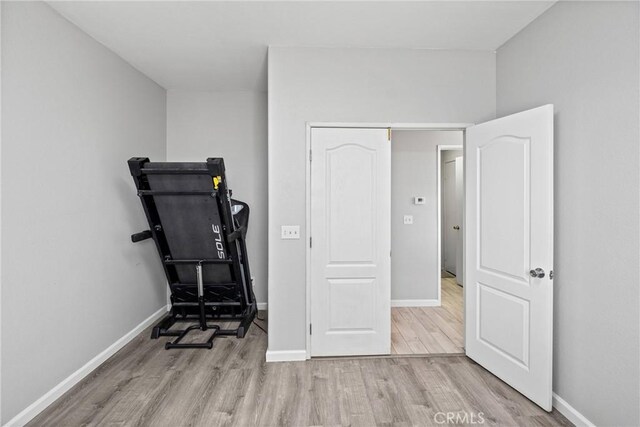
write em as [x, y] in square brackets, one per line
[408, 219]
[290, 232]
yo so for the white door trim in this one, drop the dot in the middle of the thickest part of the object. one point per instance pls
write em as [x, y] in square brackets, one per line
[440, 149]
[383, 125]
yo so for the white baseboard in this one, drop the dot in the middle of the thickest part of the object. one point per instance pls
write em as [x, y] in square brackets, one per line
[262, 306]
[570, 412]
[286, 355]
[415, 303]
[48, 398]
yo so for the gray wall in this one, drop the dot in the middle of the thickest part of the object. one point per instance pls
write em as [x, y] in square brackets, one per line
[415, 274]
[583, 58]
[349, 85]
[232, 125]
[72, 281]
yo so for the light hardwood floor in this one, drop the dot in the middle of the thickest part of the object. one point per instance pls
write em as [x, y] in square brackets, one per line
[430, 330]
[146, 385]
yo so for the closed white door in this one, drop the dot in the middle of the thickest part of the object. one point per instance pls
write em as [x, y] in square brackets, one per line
[351, 242]
[459, 219]
[509, 250]
[450, 217]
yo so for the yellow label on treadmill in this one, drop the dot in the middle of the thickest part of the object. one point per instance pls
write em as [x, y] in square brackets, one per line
[216, 181]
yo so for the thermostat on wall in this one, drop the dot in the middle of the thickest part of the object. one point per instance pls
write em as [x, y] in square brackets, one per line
[418, 200]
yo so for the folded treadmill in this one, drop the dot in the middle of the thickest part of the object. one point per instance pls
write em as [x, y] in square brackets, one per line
[199, 232]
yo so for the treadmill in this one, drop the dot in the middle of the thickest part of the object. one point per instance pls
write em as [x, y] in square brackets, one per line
[199, 232]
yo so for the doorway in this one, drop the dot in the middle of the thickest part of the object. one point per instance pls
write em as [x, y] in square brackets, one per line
[348, 211]
[508, 246]
[390, 203]
[426, 309]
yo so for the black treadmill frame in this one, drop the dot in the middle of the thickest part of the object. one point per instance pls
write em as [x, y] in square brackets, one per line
[244, 308]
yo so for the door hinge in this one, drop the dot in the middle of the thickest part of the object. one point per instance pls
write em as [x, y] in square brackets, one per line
[389, 134]
[309, 241]
[310, 155]
[310, 329]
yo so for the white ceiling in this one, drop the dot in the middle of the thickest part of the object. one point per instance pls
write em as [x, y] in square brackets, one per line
[223, 45]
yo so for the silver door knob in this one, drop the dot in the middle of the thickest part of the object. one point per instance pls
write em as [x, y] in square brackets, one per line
[456, 227]
[538, 272]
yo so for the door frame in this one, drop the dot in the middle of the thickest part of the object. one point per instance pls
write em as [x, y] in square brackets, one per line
[372, 125]
[440, 149]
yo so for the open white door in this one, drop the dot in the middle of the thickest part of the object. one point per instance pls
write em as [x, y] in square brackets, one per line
[509, 250]
[351, 242]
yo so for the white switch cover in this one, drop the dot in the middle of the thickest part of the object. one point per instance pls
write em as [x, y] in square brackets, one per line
[408, 219]
[290, 232]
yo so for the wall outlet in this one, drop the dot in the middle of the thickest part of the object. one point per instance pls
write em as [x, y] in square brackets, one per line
[290, 232]
[408, 219]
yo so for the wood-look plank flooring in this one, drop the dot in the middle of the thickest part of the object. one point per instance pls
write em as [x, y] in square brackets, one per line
[231, 385]
[430, 330]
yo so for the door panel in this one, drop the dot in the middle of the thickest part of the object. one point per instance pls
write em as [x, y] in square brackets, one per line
[350, 231]
[503, 177]
[507, 334]
[509, 231]
[350, 202]
[343, 315]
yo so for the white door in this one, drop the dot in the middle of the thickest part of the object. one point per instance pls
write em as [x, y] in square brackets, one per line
[509, 240]
[450, 217]
[459, 219]
[351, 242]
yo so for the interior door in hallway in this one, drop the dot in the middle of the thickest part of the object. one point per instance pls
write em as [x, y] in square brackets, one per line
[450, 218]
